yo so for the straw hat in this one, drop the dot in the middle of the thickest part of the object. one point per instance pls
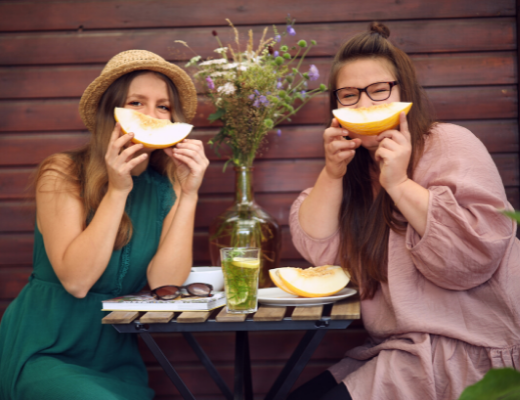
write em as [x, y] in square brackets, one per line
[129, 61]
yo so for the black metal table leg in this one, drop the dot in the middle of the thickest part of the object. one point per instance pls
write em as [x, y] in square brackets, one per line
[295, 365]
[165, 364]
[243, 380]
[208, 365]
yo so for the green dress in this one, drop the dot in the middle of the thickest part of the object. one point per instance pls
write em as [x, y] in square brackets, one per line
[53, 345]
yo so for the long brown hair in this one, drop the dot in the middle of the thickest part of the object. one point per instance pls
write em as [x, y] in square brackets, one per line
[365, 222]
[85, 169]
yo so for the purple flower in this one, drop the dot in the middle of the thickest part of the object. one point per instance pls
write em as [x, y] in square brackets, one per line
[303, 93]
[276, 54]
[314, 74]
[279, 132]
[211, 85]
[279, 85]
[277, 38]
[290, 30]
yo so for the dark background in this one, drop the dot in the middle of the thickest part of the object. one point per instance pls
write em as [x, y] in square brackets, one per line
[465, 51]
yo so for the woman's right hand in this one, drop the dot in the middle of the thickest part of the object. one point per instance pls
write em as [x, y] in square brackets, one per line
[120, 163]
[339, 152]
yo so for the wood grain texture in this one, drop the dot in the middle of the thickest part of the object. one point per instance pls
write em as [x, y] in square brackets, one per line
[456, 69]
[120, 317]
[346, 309]
[224, 316]
[307, 313]
[159, 317]
[73, 15]
[189, 317]
[427, 36]
[266, 313]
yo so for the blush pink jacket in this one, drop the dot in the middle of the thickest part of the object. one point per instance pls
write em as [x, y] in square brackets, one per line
[450, 310]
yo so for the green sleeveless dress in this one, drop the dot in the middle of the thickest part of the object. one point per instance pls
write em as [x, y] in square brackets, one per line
[53, 345]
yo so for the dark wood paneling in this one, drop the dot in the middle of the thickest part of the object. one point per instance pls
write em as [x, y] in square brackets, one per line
[459, 69]
[69, 15]
[432, 36]
[486, 102]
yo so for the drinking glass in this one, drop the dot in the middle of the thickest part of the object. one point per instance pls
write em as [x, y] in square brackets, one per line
[241, 266]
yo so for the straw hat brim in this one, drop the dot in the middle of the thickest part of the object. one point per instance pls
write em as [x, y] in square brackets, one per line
[90, 99]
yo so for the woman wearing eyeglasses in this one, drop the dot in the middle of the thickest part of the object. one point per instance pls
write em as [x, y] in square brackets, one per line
[110, 217]
[411, 214]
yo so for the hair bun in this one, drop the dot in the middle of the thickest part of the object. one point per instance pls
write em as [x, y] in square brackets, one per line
[378, 27]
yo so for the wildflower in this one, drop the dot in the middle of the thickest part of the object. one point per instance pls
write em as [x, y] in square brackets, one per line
[303, 93]
[290, 30]
[276, 53]
[210, 83]
[279, 84]
[278, 132]
[214, 33]
[213, 62]
[277, 38]
[221, 50]
[228, 88]
[314, 74]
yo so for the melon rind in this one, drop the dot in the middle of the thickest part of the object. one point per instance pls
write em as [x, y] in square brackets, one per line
[151, 132]
[371, 120]
[273, 274]
[320, 281]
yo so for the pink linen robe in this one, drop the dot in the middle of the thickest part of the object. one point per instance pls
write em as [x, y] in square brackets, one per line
[450, 310]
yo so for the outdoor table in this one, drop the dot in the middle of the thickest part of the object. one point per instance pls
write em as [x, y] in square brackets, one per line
[315, 320]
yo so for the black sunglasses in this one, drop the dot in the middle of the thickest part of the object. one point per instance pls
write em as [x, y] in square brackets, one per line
[170, 292]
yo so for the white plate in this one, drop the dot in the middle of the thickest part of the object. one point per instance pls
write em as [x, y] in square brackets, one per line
[277, 297]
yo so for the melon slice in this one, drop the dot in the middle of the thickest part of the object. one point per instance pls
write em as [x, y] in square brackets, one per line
[314, 282]
[371, 120]
[273, 274]
[151, 132]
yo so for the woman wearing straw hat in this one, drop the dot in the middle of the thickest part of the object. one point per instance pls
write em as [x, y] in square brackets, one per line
[110, 217]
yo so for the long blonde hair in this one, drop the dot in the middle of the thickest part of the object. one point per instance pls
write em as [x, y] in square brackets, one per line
[85, 169]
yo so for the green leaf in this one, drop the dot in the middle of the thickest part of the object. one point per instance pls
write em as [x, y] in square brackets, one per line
[497, 384]
[217, 115]
[515, 215]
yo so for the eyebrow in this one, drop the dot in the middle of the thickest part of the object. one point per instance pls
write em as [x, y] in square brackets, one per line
[140, 96]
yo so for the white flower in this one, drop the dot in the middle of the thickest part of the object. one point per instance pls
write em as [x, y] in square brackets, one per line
[218, 73]
[230, 66]
[213, 62]
[221, 50]
[228, 88]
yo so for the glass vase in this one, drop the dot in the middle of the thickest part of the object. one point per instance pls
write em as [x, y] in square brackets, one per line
[246, 224]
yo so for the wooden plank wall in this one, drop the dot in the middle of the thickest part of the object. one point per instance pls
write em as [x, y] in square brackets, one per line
[466, 57]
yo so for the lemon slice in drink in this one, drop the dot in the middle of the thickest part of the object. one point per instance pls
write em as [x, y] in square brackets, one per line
[246, 262]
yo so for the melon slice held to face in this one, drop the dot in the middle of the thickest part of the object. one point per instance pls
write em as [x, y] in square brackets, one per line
[151, 132]
[320, 281]
[371, 120]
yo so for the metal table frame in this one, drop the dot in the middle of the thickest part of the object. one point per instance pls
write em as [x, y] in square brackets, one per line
[243, 387]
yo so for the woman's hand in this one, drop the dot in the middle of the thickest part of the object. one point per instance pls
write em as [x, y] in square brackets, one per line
[338, 151]
[393, 155]
[191, 163]
[120, 163]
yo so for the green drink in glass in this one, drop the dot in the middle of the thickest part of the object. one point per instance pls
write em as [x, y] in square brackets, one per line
[241, 267]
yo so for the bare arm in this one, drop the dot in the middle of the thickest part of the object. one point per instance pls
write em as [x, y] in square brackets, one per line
[80, 255]
[320, 210]
[174, 257]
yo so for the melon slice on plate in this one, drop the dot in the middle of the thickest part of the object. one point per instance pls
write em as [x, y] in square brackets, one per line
[371, 120]
[151, 132]
[273, 274]
[320, 281]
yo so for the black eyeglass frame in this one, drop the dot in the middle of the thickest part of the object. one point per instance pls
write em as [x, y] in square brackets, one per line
[187, 288]
[391, 83]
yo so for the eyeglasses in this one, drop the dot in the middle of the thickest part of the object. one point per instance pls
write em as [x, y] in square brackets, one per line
[170, 292]
[379, 91]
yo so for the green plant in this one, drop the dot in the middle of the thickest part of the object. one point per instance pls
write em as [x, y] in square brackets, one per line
[254, 90]
[497, 384]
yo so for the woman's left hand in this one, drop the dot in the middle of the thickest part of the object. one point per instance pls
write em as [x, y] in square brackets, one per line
[393, 154]
[191, 164]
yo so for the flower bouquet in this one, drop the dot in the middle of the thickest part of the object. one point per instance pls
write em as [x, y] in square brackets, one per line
[253, 90]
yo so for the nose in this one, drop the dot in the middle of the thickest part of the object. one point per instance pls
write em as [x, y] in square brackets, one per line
[364, 100]
[151, 111]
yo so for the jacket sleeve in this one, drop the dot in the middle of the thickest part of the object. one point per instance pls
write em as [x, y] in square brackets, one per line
[466, 236]
[316, 251]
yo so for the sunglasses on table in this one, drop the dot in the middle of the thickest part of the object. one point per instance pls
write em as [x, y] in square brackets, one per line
[170, 292]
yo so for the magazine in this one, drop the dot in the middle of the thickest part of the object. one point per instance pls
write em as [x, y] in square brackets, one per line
[144, 301]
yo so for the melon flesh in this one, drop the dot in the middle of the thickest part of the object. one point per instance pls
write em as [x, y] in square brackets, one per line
[275, 277]
[151, 132]
[371, 120]
[314, 282]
